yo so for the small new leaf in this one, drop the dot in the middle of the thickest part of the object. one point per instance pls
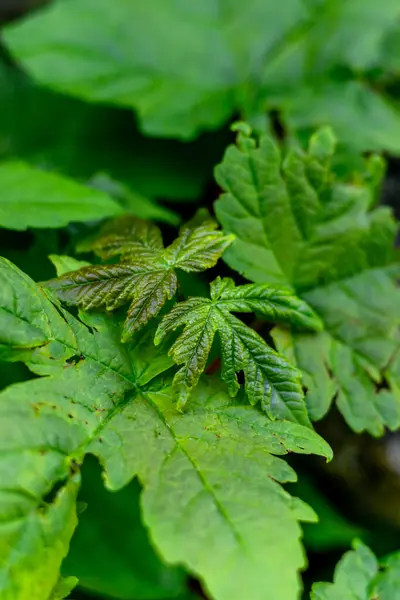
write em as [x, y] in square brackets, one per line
[145, 277]
[199, 245]
[269, 379]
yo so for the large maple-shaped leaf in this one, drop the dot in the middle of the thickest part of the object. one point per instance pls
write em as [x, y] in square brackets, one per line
[212, 471]
[296, 226]
[269, 379]
[187, 67]
[358, 575]
[146, 276]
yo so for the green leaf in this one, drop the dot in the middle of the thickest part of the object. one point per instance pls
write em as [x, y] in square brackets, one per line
[352, 579]
[357, 577]
[24, 323]
[65, 264]
[269, 379]
[87, 140]
[110, 551]
[36, 531]
[34, 198]
[211, 444]
[176, 93]
[362, 117]
[24, 327]
[81, 364]
[273, 303]
[388, 581]
[146, 276]
[91, 401]
[63, 588]
[334, 250]
[242, 61]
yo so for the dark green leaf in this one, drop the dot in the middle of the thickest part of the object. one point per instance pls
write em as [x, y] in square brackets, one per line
[198, 246]
[273, 303]
[133, 202]
[63, 588]
[269, 379]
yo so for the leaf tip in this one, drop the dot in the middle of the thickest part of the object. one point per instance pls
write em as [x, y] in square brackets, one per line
[241, 127]
[126, 336]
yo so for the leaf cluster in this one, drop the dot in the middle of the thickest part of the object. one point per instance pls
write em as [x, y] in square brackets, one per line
[96, 395]
[146, 276]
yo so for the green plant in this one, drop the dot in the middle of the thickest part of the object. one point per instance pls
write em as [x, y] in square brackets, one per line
[266, 57]
[174, 348]
[95, 387]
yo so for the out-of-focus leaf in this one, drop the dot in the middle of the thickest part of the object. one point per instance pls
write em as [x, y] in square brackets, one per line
[387, 583]
[80, 140]
[133, 202]
[242, 59]
[361, 117]
[34, 198]
[357, 576]
[182, 67]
